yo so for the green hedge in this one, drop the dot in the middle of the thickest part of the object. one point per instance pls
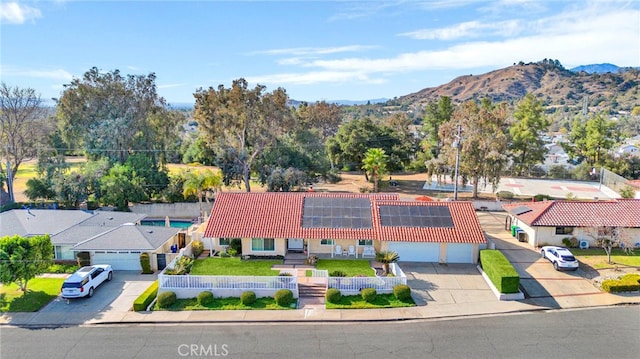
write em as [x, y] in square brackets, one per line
[142, 302]
[627, 283]
[500, 271]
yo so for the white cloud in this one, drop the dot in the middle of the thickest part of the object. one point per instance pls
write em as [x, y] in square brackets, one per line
[313, 77]
[471, 29]
[54, 74]
[306, 51]
[14, 13]
[168, 86]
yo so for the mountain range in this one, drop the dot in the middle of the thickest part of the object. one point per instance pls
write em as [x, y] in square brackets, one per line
[559, 89]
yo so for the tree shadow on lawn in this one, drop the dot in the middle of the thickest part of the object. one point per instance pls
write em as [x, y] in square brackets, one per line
[30, 301]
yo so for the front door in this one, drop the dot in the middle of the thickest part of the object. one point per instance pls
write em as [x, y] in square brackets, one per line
[295, 244]
[161, 261]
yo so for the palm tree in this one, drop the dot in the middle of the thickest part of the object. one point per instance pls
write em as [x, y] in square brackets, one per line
[375, 164]
[386, 258]
[199, 183]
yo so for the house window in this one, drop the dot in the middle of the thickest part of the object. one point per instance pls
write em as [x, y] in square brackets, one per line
[263, 244]
[365, 242]
[57, 252]
[326, 242]
[224, 241]
[564, 230]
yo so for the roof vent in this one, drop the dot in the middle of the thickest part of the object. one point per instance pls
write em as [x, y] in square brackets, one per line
[149, 231]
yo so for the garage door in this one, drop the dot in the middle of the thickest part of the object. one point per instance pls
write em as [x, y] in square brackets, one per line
[416, 252]
[459, 253]
[119, 261]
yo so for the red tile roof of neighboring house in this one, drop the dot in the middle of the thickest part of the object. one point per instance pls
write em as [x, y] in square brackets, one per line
[279, 215]
[634, 183]
[615, 213]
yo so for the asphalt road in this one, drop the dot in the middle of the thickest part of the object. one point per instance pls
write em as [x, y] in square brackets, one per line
[589, 333]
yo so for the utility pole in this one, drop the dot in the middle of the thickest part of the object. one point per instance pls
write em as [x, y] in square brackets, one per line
[456, 144]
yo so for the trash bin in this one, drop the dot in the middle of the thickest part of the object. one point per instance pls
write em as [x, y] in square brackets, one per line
[514, 228]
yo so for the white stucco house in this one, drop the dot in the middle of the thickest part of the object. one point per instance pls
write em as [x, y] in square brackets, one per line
[345, 225]
[547, 223]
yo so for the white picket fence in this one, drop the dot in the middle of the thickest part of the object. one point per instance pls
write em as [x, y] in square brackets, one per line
[353, 285]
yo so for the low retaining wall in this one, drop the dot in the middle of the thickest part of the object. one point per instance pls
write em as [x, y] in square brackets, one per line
[186, 293]
[500, 296]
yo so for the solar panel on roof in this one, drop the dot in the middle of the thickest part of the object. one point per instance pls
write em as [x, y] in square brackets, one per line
[416, 216]
[331, 212]
[520, 210]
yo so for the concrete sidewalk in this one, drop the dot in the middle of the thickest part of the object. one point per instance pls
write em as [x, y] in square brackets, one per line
[316, 313]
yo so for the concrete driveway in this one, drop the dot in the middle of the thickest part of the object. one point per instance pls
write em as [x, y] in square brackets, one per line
[538, 278]
[434, 283]
[116, 296]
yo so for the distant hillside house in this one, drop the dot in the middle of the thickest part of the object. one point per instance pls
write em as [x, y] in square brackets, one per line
[547, 223]
[345, 225]
[629, 149]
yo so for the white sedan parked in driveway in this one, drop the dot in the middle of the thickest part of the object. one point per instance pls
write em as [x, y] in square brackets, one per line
[561, 257]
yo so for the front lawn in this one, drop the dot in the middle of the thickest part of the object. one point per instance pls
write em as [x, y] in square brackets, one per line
[234, 266]
[353, 268]
[40, 291]
[224, 304]
[381, 301]
[597, 257]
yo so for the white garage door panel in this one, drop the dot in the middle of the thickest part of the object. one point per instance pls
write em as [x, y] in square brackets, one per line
[416, 252]
[119, 261]
[459, 253]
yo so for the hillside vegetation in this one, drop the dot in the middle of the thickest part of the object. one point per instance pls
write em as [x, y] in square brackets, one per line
[559, 89]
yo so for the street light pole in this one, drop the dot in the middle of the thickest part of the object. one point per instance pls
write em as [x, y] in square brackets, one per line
[455, 180]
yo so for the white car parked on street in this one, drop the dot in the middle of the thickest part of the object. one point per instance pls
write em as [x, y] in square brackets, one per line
[83, 282]
[561, 257]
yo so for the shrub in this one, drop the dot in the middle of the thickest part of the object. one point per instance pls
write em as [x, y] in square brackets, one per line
[283, 297]
[505, 195]
[166, 299]
[402, 292]
[542, 197]
[224, 254]
[145, 263]
[570, 242]
[183, 266]
[369, 294]
[627, 283]
[333, 295]
[84, 259]
[197, 247]
[248, 298]
[232, 252]
[311, 261]
[205, 298]
[337, 273]
[500, 271]
[142, 302]
[236, 244]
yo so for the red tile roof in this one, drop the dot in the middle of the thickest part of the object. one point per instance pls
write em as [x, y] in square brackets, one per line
[634, 183]
[279, 215]
[466, 227]
[615, 213]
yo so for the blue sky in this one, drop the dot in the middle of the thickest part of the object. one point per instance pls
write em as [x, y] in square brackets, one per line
[316, 50]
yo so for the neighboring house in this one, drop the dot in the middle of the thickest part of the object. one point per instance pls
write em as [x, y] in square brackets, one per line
[341, 224]
[121, 246]
[74, 231]
[628, 149]
[549, 222]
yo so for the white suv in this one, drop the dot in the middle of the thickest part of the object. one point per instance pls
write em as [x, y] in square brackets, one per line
[561, 257]
[83, 282]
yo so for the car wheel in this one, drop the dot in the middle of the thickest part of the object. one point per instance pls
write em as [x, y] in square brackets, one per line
[90, 292]
[110, 276]
[543, 256]
[555, 265]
